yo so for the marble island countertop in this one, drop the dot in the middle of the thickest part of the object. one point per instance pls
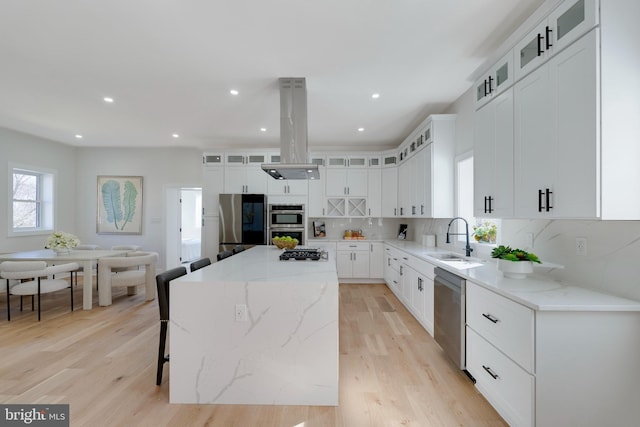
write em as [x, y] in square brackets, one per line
[537, 291]
[252, 329]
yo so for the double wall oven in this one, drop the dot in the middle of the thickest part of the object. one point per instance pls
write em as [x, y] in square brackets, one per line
[287, 220]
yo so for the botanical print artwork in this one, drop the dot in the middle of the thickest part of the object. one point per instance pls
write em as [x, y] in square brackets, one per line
[119, 205]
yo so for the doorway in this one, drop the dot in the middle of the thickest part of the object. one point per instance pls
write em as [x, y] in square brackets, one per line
[183, 226]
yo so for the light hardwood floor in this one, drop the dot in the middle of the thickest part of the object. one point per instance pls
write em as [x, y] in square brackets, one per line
[102, 362]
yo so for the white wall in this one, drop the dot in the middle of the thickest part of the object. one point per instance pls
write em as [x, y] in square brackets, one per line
[159, 167]
[28, 150]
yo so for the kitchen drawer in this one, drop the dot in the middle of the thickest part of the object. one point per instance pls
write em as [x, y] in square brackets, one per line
[507, 325]
[423, 267]
[353, 246]
[508, 387]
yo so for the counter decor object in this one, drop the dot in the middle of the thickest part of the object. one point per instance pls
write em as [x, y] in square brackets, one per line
[61, 242]
[285, 242]
[514, 263]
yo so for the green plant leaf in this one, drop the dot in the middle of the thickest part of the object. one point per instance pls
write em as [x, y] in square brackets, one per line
[505, 252]
[129, 202]
[111, 201]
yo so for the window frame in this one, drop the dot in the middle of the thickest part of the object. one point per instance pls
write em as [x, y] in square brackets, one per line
[45, 199]
[466, 156]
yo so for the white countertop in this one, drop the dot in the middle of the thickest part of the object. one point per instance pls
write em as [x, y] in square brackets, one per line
[537, 291]
[261, 265]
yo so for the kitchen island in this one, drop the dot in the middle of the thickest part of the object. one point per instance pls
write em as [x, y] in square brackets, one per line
[252, 329]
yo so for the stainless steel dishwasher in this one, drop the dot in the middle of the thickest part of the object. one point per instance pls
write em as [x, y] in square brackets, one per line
[449, 315]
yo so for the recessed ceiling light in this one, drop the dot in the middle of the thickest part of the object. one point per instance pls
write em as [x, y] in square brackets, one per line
[375, 96]
[78, 136]
[360, 129]
[233, 92]
[108, 99]
[263, 129]
[175, 135]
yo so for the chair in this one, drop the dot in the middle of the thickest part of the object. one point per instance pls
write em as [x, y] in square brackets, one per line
[198, 264]
[126, 248]
[162, 283]
[224, 254]
[125, 272]
[238, 249]
[30, 274]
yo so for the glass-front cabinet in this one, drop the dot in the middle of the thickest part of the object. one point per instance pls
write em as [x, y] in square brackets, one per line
[497, 79]
[565, 24]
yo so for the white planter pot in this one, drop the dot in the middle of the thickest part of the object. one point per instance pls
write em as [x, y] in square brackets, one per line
[515, 269]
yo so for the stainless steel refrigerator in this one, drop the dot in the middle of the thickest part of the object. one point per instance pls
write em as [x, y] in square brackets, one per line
[243, 220]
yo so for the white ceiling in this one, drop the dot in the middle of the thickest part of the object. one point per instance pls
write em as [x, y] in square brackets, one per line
[169, 65]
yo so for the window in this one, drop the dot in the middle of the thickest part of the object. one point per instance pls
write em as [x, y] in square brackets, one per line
[31, 207]
[464, 192]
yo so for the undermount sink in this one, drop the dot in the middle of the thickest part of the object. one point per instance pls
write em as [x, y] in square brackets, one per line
[456, 261]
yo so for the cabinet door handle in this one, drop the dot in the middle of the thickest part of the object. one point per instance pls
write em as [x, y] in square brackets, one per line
[490, 372]
[540, 37]
[490, 204]
[401, 270]
[548, 32]
[369, 211]
[388, 261]
[421, 209]
[395, 211]
[485, 204]
[488, 316]
[355, 256]
[413, 210]
[420, 288]
[490, 81]
[548, 194]
[486, 91]
[540, 200]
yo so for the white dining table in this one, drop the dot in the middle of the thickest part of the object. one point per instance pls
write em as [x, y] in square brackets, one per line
[86, 258]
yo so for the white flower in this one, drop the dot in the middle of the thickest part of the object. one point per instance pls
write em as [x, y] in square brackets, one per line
[60, 239]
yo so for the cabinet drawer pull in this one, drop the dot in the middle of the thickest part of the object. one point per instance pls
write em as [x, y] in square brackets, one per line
[490, 372]
[490, 317]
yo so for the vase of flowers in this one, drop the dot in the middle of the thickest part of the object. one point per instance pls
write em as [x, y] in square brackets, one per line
[61, 242]
[514, 263]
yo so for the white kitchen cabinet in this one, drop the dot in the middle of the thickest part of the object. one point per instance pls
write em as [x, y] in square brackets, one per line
[245, 179]
[288, 187]
[405, 183]
[392, 262]
[497, 79]
[374, 192]
[212, 186]
[568, 22]
[210, 236]
[317, 197]
[389, 190]
[376, 260]
[346, 182]
[556, 141]
[558, 366]
[212, 159]
[493, 158]
[352, 259]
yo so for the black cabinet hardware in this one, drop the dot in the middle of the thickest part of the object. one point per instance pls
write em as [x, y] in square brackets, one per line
[490, 317]
[548, 33]
[490, 372]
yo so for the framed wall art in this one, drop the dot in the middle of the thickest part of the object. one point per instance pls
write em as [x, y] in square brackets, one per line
[119, 205]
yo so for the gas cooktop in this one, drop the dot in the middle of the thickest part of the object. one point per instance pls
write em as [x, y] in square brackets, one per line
[303, 254]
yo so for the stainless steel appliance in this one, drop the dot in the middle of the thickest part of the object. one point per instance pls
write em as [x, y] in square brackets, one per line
[243, 220]
[287, 220]
[449, 315]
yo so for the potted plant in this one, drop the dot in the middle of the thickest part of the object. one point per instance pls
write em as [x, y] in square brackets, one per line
[485, 232]
[514, 263]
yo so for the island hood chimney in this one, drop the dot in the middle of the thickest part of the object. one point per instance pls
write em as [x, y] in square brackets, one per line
[294, 160]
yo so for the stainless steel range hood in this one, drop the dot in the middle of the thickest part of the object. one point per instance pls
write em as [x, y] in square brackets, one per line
[294, 158]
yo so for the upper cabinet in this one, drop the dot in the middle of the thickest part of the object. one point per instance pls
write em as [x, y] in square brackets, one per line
[575, 140]
[496, 80]
[565, 24]
[493, 158]
[556, 141]
[243, 174]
